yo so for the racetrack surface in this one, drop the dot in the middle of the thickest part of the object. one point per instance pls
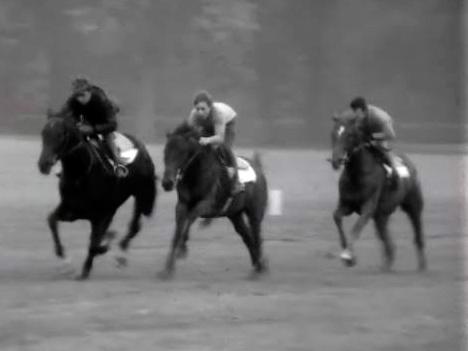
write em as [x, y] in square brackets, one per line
[309, 301]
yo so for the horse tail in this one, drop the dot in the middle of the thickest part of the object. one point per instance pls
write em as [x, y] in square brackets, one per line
[257, 161]
[261, 187]
[146, 199]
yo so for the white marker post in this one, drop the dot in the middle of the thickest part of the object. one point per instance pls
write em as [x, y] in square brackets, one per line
[275, 202]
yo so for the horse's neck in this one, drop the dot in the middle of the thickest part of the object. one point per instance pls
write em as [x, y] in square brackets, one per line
[78, 159]
[360, 163]
[202, 170]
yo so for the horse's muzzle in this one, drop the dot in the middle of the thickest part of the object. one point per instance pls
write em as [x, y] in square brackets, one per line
[167, 184]
[336, 164]
[45, 164]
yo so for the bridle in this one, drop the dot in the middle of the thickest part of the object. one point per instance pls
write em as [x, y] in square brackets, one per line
[66, 150]
[348, 154]
[182, 169]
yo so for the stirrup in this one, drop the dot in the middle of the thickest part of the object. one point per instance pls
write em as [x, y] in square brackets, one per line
[120, 171]
[237, 188]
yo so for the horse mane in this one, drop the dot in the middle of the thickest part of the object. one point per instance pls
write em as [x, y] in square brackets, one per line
[186, 130]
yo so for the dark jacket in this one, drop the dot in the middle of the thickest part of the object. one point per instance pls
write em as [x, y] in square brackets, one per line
[99, 112]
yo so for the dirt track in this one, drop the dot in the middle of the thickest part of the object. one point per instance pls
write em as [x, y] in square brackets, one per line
[308, 302]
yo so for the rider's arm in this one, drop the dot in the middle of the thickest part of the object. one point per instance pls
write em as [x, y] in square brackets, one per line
[67, 109]
[387, 132]
[222, 115]
[191, 118]
[382, 124]
[219, 131]
[109, 113]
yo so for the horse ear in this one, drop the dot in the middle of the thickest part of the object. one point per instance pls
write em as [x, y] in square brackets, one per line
[50, 113]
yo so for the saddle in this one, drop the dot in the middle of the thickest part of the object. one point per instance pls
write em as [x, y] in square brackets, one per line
[246, 174]
[125, 150]
[245, 171]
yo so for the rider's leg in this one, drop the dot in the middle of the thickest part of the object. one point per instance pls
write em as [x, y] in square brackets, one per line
[231, 160]
[385, 151]
[120, 169]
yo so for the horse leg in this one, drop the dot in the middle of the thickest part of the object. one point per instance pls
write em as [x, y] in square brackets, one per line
[52, 220]
[134, 228]
[255, 221]
[54, 217]
[338, 215]
[413, 209]
[184, 219]
[388, 248]
[98, 230]
[367, 211]
[182, 251]
[244, 231]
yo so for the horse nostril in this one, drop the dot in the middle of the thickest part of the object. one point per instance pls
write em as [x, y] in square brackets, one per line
[44, 167]
[167, 184]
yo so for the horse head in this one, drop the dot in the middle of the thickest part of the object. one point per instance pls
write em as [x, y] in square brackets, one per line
[58, 136]
[180, 149]
[346, 136]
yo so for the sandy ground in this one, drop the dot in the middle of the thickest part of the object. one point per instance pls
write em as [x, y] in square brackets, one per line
[307, 302]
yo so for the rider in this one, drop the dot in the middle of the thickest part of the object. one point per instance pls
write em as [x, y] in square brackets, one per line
[216, 121]
[95, 114]
[377, 125]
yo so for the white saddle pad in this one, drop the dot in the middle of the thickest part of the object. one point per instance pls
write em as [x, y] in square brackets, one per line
[245, 170]
[126, 150]
[401, 169]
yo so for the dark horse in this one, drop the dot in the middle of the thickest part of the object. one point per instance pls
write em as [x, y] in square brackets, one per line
[365, 189]
[89, 191]
[203, 191]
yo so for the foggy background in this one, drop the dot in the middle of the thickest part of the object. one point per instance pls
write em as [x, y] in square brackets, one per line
[285, 66]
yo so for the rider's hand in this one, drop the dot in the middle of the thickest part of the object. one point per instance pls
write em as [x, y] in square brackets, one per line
[86, 129]
[204, 141]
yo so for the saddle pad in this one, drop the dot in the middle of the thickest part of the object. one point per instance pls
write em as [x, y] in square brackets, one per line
[401, 169]
[245, 170]
[126, 150]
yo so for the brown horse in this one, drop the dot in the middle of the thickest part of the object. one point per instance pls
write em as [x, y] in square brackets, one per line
[365, 189]
[203, 190]
[89, 191]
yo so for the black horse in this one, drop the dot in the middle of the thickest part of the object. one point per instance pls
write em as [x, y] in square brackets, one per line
[203, 191]
[365, 188]
[89, 190]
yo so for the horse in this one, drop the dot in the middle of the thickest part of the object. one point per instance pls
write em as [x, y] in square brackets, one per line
[365, 188]
[203, 190]
[90, 191]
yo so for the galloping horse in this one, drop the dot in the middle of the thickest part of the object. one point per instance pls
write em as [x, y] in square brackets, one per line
[364, 188]
[203, 189]
[88, 190]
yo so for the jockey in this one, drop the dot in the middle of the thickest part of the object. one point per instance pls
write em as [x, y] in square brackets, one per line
[377, 125]
[216, 121]
[95, 114]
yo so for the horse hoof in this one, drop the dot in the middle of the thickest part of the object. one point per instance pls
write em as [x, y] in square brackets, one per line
[422, 264]
[182, 253]
[349, 262]
[81, 277]
[110, 235]
[386, 268]
[348, 258]
[166, 275]
[263, 265]
[66, 268]
[121, 261]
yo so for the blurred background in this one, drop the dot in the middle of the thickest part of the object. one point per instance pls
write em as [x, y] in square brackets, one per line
[285, 66]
